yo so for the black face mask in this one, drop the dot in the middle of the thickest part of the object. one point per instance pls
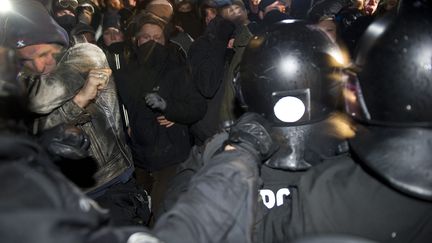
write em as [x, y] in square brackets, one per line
[68, 22]
[152, 53]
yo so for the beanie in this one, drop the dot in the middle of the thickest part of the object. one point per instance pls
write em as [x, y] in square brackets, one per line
[160, 8]
[31, 24]
[111, 19]
[217, 4]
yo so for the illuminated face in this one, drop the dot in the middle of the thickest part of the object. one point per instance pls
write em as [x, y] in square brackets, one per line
[234, 13]
[150, 32]
[255, 2]
[370, 6]
[184, 7]
[132, 3]
[115, 4]
[210, 13]
[112, 35]
[39, 58]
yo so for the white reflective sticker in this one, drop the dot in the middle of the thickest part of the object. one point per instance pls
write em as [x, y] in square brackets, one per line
[289, 109]
[141, 237]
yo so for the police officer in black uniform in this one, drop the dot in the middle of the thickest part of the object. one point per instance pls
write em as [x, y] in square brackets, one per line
[382, 189]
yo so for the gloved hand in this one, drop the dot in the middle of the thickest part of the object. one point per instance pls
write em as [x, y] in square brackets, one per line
[155, 101]
[252, 133]
[65, 141]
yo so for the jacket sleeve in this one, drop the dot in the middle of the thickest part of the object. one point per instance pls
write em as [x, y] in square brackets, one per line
[207, 58]
[185, 104]
[51, 99]
[219, 205]
[47, 93]
[50, 96]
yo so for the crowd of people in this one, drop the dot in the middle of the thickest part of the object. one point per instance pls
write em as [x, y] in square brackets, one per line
[216, 121]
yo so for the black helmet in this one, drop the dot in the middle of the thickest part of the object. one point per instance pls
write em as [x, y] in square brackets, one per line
[395, 61]
[289, 74]
[393, 99]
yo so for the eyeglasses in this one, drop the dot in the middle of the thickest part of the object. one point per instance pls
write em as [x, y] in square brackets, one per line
[68, 3]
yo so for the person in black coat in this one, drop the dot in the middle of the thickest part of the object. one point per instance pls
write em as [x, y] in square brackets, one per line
[207, 57]
[161, 102]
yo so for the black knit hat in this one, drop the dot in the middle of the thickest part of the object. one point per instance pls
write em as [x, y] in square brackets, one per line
[31, 24]
[111, 19]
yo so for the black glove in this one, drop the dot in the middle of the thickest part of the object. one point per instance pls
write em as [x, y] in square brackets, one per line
[65, 141]
[252, 132]
[155, 101]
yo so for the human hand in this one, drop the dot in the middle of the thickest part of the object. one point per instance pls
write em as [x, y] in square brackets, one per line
[96, 81]
[251, 132]
[65, 141]
[155, 101]
[164, 122]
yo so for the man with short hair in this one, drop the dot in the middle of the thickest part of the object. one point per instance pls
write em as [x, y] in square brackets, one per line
[73, 86]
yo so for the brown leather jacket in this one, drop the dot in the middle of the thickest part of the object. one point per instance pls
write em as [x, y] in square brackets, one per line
[50, 97]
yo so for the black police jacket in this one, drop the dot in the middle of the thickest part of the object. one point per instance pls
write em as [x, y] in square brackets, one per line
[340, 197]
[39, 205]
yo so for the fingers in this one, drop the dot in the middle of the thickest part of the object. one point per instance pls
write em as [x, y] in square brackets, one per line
[164, 122]
[100, 77]
[152, 103]
[96, 81]
[155, 101]
[151, 100]
[170, 124]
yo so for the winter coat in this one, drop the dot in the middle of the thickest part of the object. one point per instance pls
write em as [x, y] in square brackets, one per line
[155, 146]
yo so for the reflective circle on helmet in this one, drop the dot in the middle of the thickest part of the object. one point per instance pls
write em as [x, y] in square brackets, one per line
[289, 109]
